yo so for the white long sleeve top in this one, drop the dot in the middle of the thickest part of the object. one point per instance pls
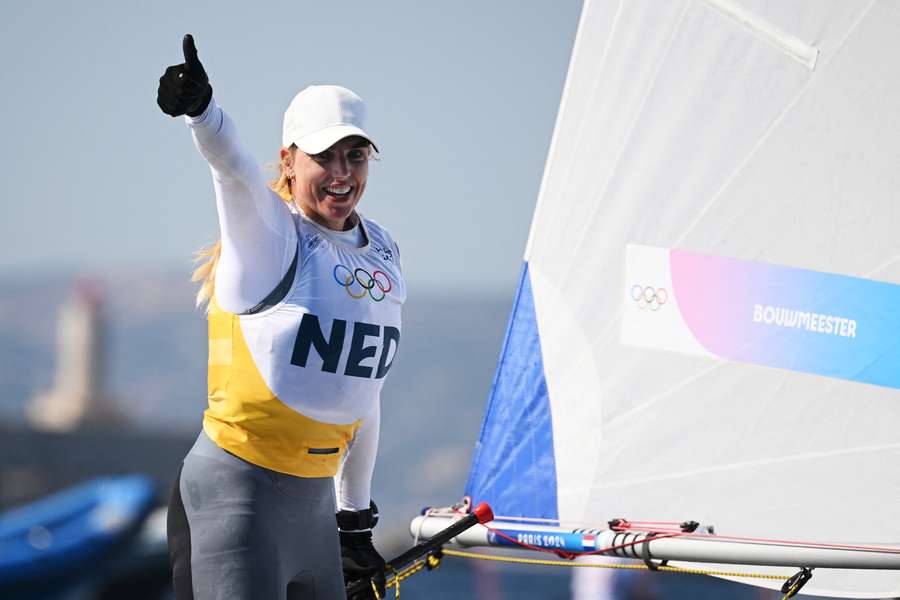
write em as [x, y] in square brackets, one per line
[259, 241]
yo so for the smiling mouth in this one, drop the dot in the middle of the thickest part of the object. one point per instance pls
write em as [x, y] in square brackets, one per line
[339, 191]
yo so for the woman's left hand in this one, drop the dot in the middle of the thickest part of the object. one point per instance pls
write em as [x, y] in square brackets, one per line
[184, 89]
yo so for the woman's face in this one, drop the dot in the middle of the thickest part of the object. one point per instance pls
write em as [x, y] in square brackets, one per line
[328, 185]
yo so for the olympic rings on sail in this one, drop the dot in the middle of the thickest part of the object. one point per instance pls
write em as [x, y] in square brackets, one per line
[360, 282]
[648, 297]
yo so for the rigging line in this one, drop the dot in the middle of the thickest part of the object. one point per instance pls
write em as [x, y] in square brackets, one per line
[741, 465]
[627, 140]
[593, 565]
[653, 527]
[563, 102]
[399, 576]
[628, 523]
[765, 136]
[713, 537]
[656, 535]
[673, 527]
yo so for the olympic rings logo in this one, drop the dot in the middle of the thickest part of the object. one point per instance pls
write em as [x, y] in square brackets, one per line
[360, 282]
[648, 297]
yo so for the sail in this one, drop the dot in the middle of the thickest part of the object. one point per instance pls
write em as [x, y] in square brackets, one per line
[707, 325]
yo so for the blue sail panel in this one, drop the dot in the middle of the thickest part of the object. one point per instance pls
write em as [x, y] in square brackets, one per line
[513, 467]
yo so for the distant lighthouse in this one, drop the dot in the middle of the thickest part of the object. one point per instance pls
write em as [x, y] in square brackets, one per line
[78, 398]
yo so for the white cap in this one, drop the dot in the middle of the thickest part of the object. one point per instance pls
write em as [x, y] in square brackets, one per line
[322, 115]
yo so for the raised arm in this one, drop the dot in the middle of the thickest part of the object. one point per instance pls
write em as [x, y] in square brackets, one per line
[258, 235]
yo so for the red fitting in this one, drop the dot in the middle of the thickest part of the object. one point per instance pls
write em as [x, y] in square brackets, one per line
[483, 513]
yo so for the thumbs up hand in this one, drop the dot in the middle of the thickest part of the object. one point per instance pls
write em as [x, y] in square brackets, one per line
[184, 89]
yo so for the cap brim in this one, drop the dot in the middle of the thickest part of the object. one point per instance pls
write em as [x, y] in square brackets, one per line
[322, 140]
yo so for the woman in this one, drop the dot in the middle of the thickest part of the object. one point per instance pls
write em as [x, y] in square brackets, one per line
[304, 323]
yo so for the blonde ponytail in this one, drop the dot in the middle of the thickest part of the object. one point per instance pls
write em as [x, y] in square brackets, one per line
[205, 272]
[208, 257]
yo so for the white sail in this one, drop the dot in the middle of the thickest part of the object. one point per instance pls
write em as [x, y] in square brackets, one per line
[708, 325]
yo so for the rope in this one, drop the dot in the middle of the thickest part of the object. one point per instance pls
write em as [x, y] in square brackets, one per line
[562, 563]
[673, 527]
[432, 562]
[790, 588]
[651, 527]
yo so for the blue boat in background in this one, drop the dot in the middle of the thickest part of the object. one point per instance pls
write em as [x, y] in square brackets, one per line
[58, 542]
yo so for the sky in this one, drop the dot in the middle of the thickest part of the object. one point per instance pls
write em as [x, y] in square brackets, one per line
[462, 98]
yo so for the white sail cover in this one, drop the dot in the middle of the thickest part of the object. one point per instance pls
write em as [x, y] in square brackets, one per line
[708, 321]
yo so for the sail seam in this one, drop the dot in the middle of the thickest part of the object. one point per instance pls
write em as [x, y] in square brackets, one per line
[626, 141]
[678, 386]
[569, 81]
[765, 136]
[741, 465]
[882, 266]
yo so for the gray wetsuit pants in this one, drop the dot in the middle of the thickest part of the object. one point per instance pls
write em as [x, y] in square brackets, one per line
[240, 532]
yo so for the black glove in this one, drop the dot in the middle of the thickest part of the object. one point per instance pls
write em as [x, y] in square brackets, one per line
[184, 89]
[362, 561]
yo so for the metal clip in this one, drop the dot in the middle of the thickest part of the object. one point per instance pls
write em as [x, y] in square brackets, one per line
[796, 582]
